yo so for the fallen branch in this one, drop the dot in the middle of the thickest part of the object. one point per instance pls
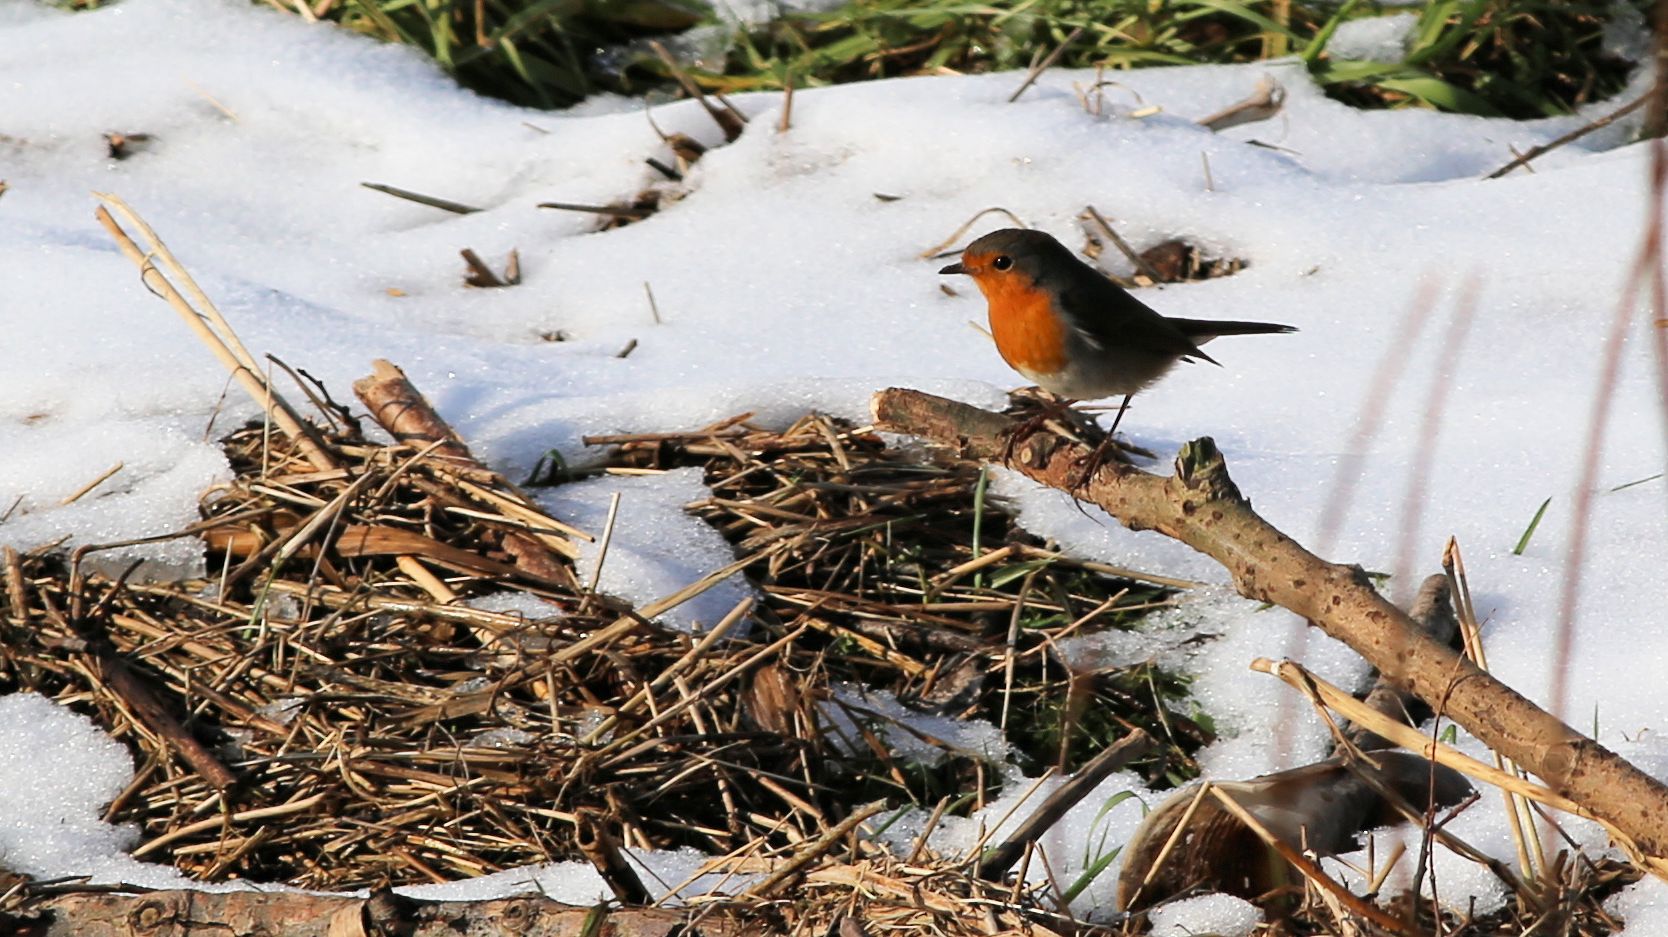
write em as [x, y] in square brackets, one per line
[599, 845]
[997, 860]
[1261, 104]
[299, 914]
[728, 119]
[1191, 842]
[400, 408]
[137, 695]
[1046, 64]
[1536, 152]
[1200, 506]
[790, 870]
[444, 204]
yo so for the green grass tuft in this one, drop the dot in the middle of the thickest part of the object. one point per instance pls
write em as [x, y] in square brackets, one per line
[1520, 58]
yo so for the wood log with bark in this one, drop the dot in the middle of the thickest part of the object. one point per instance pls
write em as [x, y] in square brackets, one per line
[103, 912]
[1200, 506]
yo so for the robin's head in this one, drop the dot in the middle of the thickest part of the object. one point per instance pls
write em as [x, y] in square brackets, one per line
[1011, 255]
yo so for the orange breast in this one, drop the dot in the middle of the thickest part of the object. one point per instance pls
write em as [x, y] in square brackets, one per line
[1029, 335]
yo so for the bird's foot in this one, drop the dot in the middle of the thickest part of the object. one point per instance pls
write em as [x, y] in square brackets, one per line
[1042, 409]
[1109, 449]
[1021, 430]
[1106, 450]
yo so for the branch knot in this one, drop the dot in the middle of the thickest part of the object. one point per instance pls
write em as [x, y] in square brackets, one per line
[1201, 469]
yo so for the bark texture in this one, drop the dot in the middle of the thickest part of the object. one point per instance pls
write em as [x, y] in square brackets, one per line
[297, 914]
[1200, 506]
[401, 409]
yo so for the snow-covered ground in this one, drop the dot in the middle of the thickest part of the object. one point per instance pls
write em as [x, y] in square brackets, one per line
[784, 284]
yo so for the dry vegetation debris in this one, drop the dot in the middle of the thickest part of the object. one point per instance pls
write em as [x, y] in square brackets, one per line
[326, 708]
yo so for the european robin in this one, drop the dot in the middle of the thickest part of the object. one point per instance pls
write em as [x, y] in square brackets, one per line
[1078, 335]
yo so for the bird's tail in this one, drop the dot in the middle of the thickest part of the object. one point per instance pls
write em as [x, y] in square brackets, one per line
[1203, 329]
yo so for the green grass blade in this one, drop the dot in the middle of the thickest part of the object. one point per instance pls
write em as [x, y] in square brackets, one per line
[1100, 815]
[1432, 21]
[1090, 873]
[1239, 10]
[1365, 72]
[389, 27]
[555, 9]
[1523, 541]
[1442, 95]
[1017, 570]
[1093, 869]
[1444, 37]
[1317, 45]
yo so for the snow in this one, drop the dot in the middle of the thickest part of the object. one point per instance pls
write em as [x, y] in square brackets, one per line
[567, 882]
[1643, 906]
[1236, 698]
[784, 285]
[1098, 824]
[1221, 915]
[908, 734]
[529, 607]
[52, 824]
[1374, 38]
[656, 548]
[670, 877]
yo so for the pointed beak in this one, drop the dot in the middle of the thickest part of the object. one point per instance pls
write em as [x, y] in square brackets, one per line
[954, 268]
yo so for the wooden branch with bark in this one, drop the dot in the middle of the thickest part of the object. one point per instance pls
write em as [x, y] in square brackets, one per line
[1200, 506]
[96, 912]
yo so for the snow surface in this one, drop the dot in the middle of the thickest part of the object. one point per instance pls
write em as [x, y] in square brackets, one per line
[909, 734]
[1219, 915]
[63, 826]
[784, 285]
[656, 549]
[1643, 906]
[1374, 38]
[1223, 685]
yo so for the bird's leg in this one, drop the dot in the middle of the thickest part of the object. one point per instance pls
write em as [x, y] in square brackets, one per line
[1119, 418]
[1049, 408]
[1097, 457]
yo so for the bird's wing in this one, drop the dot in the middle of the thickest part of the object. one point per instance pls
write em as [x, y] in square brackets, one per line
[1106, 315]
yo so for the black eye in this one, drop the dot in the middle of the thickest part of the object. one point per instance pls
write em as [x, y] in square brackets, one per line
[1003, 262]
